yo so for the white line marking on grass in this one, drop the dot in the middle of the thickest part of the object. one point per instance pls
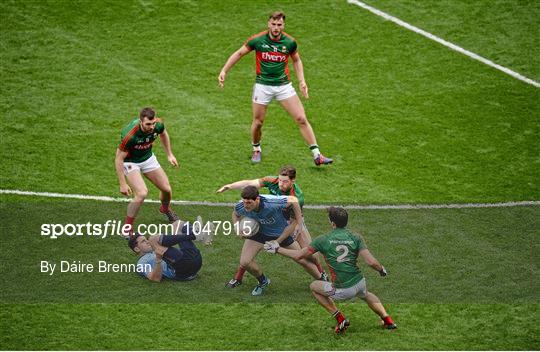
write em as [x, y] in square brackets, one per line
[444, 42]
[315, 206]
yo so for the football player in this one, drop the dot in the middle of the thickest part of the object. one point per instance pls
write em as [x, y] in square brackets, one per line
[282, 185]
[341, 250]
[273, 49]
[268, 211]
[134, 158]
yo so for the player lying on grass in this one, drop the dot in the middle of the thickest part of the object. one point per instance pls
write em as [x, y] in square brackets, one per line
[134, 158]
[268, 210]
[341, 250]
[283, 185]
[172, 256]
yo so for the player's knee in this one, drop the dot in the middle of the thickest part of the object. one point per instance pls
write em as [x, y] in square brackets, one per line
[244, 263]
[301, 120]
[166, 189]
[257, 123]
[141, 194]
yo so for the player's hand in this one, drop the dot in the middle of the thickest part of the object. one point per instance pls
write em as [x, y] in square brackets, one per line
[159, 250]
[172, 160]
[271, 246]
[304, 89]
[125, 190]
[223, 189]
[221, 78]
[383, 272]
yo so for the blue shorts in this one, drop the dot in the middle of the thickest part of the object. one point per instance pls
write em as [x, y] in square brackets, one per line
[265, 238]
[185, 259]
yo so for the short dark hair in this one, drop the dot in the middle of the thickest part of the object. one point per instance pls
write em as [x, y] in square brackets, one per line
[338, 216]
[250, 192]
[276, 15]
[132, 243]
[148, 113]
[288, 170]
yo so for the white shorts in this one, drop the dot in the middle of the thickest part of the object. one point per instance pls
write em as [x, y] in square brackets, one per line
[148, 165]
[346, 293]
[263, 94]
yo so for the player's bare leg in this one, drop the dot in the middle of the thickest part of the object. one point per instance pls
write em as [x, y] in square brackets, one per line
[159, 178]
[317, 289]
[309, 266]
[324, 299]
[374, 303]
[136, 182]
[304, 239]
[295, 109]
[259, 114]
[247, 260]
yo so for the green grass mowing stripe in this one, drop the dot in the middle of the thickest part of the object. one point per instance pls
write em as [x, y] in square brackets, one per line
[147, 324]
[481, 26]
[445, 43]
[405, 120]
[433, 256]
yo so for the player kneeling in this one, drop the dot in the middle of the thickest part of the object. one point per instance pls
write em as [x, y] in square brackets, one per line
[341, 250]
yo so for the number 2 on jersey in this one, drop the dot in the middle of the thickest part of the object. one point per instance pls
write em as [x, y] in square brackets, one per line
[342, 257]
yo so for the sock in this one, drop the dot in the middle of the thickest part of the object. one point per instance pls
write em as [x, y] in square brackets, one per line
[262, 279]
[339, 316]
[164, 207]
[256, 146]
[239, 273]
[388, 320]
[129, 221]
[314, 150]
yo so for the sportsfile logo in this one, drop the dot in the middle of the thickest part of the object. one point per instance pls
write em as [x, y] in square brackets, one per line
[117, 228]
[109, 228]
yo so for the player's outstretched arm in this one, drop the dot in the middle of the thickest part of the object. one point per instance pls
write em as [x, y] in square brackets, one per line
[372, 262]
[296, 254]
[299, 70]
[231, 61]
[239, 185]
[166, 142]
[119, 167]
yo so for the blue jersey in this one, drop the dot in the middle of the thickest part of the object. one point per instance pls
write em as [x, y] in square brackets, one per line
[270, 214]
[150, 258]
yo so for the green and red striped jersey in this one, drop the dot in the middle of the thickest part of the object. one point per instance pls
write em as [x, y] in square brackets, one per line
[138, 144]
[340, 250]
[272, 57]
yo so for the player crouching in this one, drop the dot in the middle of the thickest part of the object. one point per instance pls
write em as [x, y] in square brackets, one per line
[341, 250]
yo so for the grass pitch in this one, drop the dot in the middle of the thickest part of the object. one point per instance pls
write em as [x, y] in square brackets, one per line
[405, 119]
